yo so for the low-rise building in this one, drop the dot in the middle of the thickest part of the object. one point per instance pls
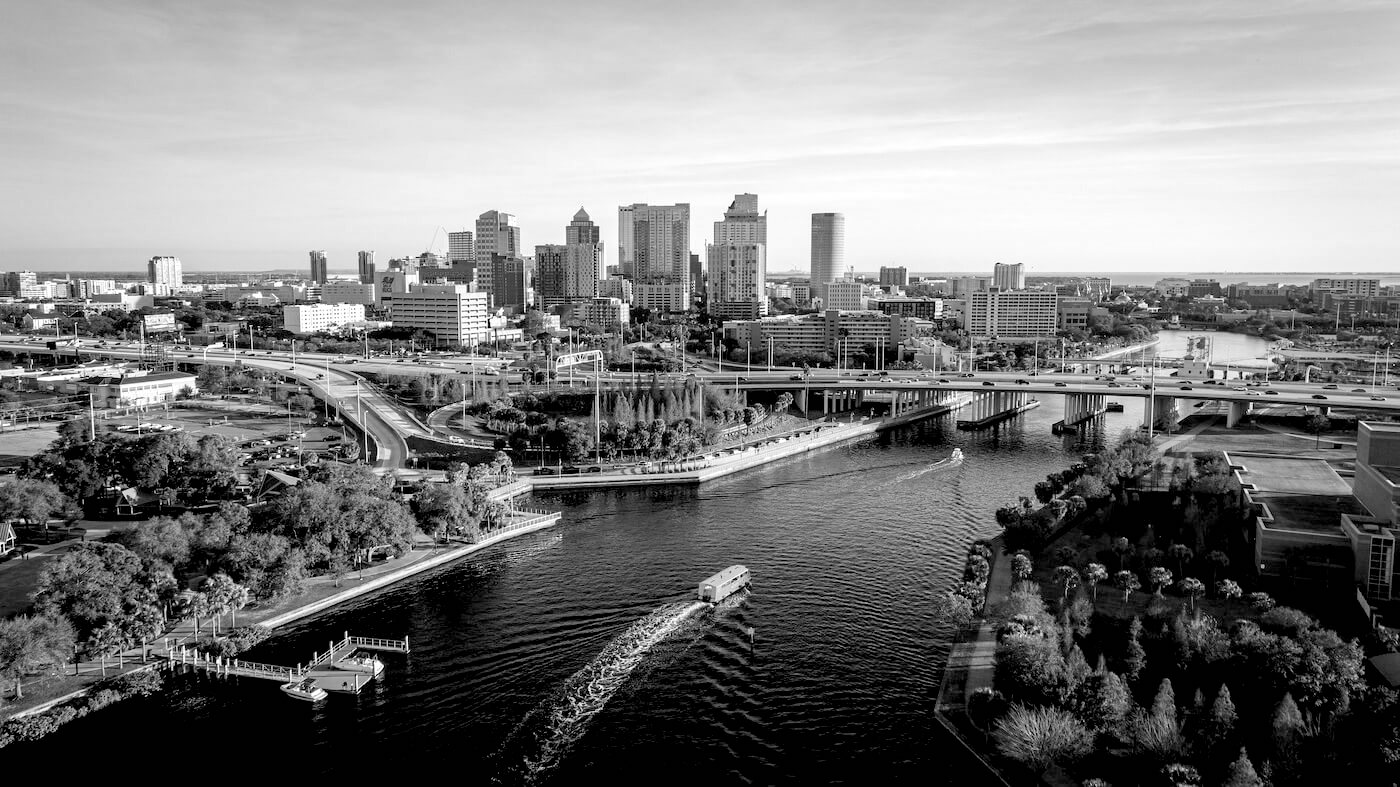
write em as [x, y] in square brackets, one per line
[348, 292]
[604, 315]
[318, 317]
[451, 312]
[1022, 314]
[137, 390]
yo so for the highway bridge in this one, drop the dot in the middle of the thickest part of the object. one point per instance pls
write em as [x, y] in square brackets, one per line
[338, 381]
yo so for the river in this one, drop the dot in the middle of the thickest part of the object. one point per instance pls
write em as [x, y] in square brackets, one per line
[575, 655]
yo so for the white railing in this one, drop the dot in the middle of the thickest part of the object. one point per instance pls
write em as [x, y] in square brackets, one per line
[375, 643]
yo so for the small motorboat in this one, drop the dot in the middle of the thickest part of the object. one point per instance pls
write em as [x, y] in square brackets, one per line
[304, 690]
[367, 663]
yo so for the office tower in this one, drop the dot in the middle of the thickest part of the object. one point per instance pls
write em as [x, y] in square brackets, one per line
[742, 222]
[24, 284]
[366, 267]
[1011, 314]
[318, 267]
[165, 273]
[581, 230]
[828, 250]
[736, 278]
[1009, 277]
[654, 242]
[496, 233]
[569, 273]
[452, 313]
[894, 277]
[460, 247]
[697, 274]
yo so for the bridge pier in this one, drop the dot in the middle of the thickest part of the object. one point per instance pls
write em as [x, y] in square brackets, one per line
[1238, 410]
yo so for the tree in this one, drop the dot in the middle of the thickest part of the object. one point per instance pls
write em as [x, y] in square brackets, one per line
[1020, 567]
[1094, 573]
[1103, 701]
[34, 502]
[1134, 656]
[1192, 587]
[95, 584]
[1228, 589]
[1068, 579]
[1164, 704]
[1261, 602]
[1288, 725]
[1242, 773]
[1218, 562]
[1219, 726]
[1041, 737]
[1122, 548]
[954, 609]
[1159, 576]
[1316, 425]
[1127, 582]
[29, 643]
[1182, 554]
[224, 595]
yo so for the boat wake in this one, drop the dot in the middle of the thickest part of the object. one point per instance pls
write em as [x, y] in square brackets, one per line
[942, 464]
[565, 717]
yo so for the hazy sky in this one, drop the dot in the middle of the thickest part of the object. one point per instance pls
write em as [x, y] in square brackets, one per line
[1067, 135]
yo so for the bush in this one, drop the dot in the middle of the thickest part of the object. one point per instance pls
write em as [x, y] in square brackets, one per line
[1040, 737]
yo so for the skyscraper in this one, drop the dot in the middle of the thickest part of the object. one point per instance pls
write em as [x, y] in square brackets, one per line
[165, 273]
[828, 250]
[742, 223]
[569, 273]
[318, 267]
[1009, 277]
[366, 267]
[460, 247]
[654, 242]
[496, 233]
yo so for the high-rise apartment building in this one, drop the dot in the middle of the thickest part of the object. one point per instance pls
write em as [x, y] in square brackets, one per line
[742, 223]
[1009, 276]
[22, 284]
[510, 277]
[165, 273]
[366, 259]
[828, 250]
[894, 277]
[461, 247]
[496, 233]
[318, 267]
[736, 277]
[654, 244]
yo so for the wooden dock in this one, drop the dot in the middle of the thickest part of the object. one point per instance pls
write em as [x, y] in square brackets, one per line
[320, 668]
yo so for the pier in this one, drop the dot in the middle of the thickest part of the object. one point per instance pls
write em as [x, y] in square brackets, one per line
[1080, 409]
[320, 668]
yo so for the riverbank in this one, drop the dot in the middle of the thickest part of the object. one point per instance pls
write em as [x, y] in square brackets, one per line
[799, 441]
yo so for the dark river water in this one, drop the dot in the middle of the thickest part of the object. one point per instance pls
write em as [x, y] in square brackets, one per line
[576, 655]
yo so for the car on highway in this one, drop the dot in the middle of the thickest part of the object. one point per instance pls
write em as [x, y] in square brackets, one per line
[1238, 388]
[1184, 388]
[1319, 396]
[644, 463]
[967, 374]
[1023, 382]
[593, 469]
[1378, 398]
[1358, 390]
[1061, 385]
[1114, 385]
[793, 377]
[546, 471]
[944, 380]
[1271, 393]
[1329, 387]
[571, 470]
[988, 382]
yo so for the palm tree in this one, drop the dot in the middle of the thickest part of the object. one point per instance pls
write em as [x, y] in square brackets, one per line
[1095, 573]
[1181, 554]
[1122, 547]
[1159, 576]
[1068, 577]
[1229, 590]
[1218, 562]
[1192, 587]
[1127, 582]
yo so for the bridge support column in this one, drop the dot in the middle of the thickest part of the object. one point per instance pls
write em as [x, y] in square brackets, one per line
[799, 400]
[1238, 410]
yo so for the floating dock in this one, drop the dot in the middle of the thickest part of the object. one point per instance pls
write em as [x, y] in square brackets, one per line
[319, 669]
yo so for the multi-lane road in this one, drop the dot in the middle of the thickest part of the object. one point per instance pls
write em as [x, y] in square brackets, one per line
[337, 380]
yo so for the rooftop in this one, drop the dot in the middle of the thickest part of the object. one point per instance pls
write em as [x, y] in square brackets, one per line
[1302, 494]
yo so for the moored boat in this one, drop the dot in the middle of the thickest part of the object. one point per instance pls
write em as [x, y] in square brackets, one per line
[304, 690]
[367, 663]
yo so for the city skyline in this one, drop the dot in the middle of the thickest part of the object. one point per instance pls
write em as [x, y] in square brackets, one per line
[1065, 137]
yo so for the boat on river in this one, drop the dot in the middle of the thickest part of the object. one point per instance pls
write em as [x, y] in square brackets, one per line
[724, 584]
[360, 661]
[305, 689]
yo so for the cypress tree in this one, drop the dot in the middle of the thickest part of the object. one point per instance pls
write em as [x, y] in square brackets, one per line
[1242, 773]
[1164, 704]
[1221, 724]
